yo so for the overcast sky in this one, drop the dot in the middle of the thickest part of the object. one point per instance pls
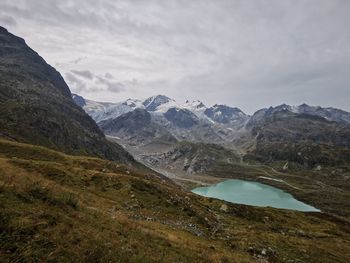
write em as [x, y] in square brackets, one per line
[249, 53]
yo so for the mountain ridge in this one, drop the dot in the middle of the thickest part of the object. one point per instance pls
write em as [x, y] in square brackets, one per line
[329, 113]
[195, 122]
[36, 106]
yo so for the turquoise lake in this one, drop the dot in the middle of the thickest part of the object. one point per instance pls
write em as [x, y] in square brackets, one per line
[253, 193]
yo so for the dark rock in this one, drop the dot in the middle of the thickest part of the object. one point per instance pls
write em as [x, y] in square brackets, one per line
[181, 117]
[225, 114]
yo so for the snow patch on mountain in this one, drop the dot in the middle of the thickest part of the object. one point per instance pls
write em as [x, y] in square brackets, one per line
[218, 115]
[330, 114]
[100, 111]
[154, 103]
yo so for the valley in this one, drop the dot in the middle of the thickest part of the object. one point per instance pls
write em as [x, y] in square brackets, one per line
[329, 194]
[293, 152]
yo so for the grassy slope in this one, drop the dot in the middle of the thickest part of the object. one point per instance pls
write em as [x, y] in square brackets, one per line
[60, 208]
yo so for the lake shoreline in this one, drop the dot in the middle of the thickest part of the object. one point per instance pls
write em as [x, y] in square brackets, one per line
[251, 193]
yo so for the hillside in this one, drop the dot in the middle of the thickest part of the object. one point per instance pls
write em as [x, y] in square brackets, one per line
[194, 158]
[189, 121]
[136, 128]
[302, 139]
[220, 124]
[36, 106]
[107, 212]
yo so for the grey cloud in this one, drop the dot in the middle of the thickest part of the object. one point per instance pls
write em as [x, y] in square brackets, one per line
[83, 73]
[243, 53]
[7, 20]
[108, 76]
[115, 86]
[85, 81]
[95, 89]
[78, 85]
[77, 60]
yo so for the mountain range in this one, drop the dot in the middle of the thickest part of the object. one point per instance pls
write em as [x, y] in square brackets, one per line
[190, 140]
[192, 121]
[218, 113]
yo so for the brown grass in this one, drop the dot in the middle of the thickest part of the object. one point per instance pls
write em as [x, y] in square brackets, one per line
[60, 208]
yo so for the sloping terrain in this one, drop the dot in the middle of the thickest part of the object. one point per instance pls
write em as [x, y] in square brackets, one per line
[193, 158]
[36, 106]
[302, 139]
[193, 121]
[61, 208]
[136, 129]
[310, 153]
[227, 115]
[190, 121]
[330, 114]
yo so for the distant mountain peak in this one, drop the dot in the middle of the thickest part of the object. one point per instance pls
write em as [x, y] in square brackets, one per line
[3, 30]
[225, 107]
[134, 103]
[79, 100]
[224, 114]
[330, 114]
[181, 117]
[195, 104]
[152, 103]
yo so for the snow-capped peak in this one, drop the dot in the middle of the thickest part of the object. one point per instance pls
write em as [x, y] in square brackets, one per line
[196, 104]
[134, 103]
[153, 103]
[100, 111]
[225, 114]
[330, 114]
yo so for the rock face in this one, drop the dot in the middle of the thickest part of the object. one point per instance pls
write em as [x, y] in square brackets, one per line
[287, 126]
[304, 139]
[330, 114]
[181, 118]
[194, 158]
[130, 121]
[137, 128]
[152, 103]
[79, 100]
[225, 114]
[278, 133]
[36, 105]
[191, 121]
[194, 122]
